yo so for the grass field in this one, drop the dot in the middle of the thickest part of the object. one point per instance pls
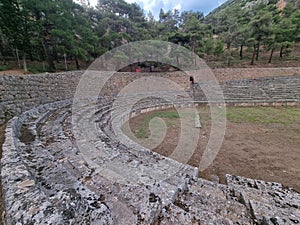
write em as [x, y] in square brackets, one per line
[143, 131]
[263, 115]
[287, 116]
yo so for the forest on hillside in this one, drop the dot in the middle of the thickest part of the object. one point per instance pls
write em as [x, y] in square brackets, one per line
[54, 31]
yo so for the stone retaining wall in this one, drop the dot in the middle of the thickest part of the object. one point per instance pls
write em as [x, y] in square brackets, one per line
[19, 92]
[22, 92]
[268, 91]
[225, 74]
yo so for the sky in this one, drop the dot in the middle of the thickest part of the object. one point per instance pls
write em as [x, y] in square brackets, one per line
[154, 6]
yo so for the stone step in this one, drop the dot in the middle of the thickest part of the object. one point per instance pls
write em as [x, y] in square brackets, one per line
[268, 202]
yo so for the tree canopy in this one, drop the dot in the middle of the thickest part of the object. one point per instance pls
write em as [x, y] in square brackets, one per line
[52, 30]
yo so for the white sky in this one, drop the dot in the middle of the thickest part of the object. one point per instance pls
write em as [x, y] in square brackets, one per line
[154, 6]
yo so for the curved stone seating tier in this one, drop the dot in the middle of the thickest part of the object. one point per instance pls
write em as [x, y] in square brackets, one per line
[38, 184]
[46, 179]
[260, 91]
[21, 93]
[74, 167]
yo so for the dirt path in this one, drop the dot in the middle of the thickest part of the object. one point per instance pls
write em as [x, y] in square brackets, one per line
[12, 72]
[264, 152]
[267, 151]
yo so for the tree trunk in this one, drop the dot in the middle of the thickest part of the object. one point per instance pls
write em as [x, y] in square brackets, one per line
[65, 60]
[18, 58]
[44, 68]
[257, 51]
[241, 51]
[130, 61]
[253, 55]
[77, 63]
[281, 52]
[49, 56]
[31, 56]
[271, 56]
[3, 60]
[228, 61]
[3, 57]
[48, 48]
[24, 63]
[56, 56]
[228, 45]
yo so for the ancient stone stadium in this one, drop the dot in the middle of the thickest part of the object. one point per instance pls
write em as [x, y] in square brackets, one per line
[47, 180]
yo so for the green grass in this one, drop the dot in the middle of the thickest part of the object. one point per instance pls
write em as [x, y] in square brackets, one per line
[143, 131]
[264, 115]
[165, 114]
[287, 116]
[160, 114]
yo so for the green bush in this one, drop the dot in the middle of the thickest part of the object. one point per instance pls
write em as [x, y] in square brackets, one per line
[3, 67]
[36, 68]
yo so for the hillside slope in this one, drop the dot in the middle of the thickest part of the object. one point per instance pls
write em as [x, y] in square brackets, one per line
[258, 29]
[235, 11]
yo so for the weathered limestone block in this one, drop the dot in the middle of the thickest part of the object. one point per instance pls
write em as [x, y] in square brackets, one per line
[267, 201]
